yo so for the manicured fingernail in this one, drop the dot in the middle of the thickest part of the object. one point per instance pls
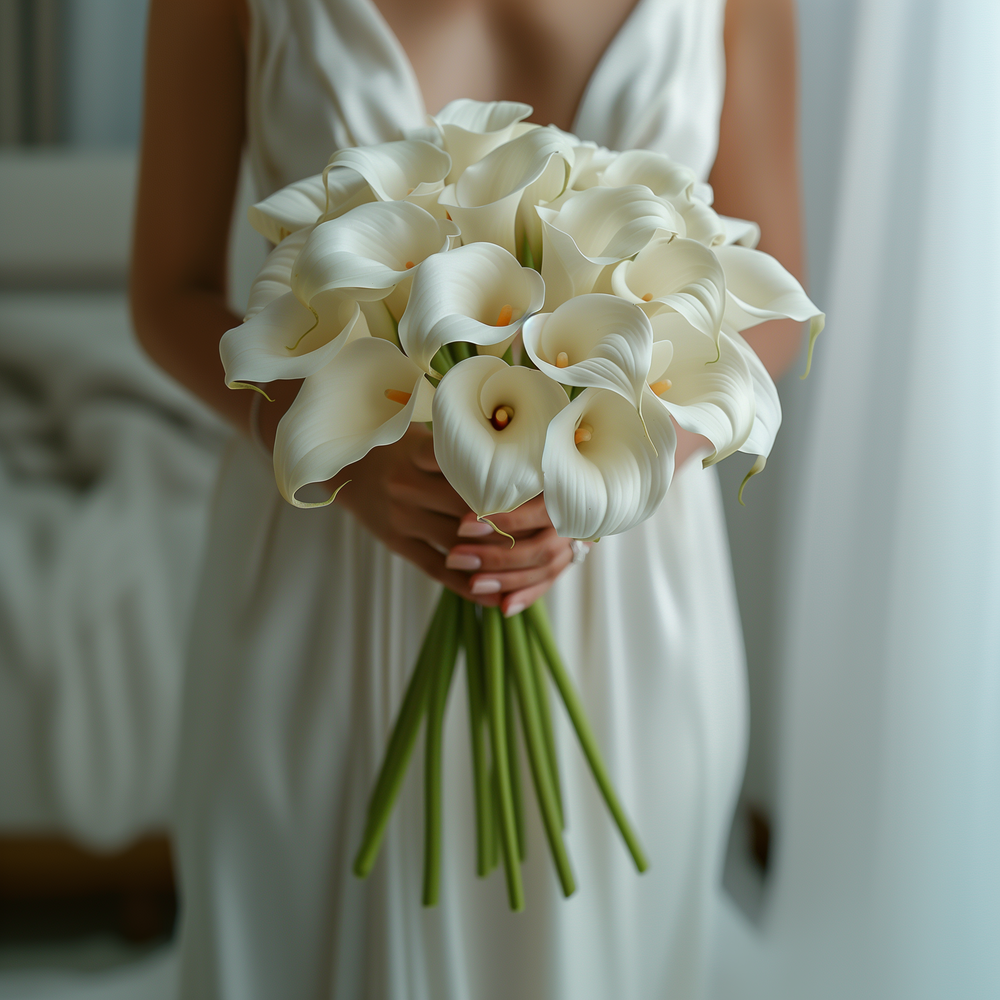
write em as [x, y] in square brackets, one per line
[513, 609]
[459, 560]
[486, 587]
[475, 529]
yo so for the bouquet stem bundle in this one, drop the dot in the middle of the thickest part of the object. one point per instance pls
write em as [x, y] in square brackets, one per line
[508, 662]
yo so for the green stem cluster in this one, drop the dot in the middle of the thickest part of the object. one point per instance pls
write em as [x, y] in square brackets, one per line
[508, 662]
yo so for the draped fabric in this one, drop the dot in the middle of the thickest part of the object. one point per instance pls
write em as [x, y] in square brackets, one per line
[887, 884]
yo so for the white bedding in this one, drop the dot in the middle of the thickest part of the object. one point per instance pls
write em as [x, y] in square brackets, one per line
[106, 468]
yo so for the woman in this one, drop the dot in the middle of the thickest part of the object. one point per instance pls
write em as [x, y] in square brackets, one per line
[309, 620]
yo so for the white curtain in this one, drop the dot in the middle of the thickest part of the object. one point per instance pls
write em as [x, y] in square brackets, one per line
[887, 867]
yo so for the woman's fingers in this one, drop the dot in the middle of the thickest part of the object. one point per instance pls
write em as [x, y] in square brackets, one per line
[530, 516]
[437, 530]
[553, 560]
[538, 549]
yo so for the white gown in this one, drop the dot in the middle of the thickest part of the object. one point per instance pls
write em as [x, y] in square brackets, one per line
[307, 629]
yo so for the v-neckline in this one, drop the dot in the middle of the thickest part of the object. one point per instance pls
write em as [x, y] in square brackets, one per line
[410, 74]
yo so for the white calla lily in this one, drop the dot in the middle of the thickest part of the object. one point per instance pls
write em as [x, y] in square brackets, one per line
[665, 177]
[704, 394]
[395, 170]
[368, 251]
[679, 275]
[477, 293]
[767, 408]
[491, 199]
[604, 471]
[473, 129]
[287, 340]
[593, 229]
[274, 278]
[490, 421]
[758, 288]
[741, 231]
[289, 209]
[365, 398]
[590, 161]
[593, 340]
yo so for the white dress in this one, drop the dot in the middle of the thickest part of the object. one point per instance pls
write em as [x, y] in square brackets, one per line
[307, 629]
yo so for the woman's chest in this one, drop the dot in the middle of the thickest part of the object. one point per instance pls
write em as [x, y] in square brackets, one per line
[541, 52]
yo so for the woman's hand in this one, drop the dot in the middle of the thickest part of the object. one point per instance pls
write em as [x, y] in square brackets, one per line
[400, 495]
[511, 576]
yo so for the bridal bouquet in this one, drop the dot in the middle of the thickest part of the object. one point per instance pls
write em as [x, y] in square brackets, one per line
[552, 307]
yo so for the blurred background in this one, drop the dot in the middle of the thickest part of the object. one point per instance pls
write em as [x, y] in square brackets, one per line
[863, 860]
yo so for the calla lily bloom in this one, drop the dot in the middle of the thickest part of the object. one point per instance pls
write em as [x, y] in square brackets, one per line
[281, 337]
[758, 288]
[593, 340]
[679, 275]
[594, 229]
[665, 177]
[604, 470]
[368, 251]
[395, 170]
[365, 398]
[477, 293]
[705, 393]
[289, 209]
[489, 431]
[287, 340]
[492, 199]
[471, 130]
[275, 276]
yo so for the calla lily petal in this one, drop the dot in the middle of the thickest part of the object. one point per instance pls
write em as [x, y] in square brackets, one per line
[767, 404]
[611, 477]
[712, 397]
[464, 295]
[394, 169]
[367, 250]
[494, 470]
[596, 228]
[486, 201]
[275, 276]
[287, 340]
[342, 412]
[593, 340]
[741, 231]
[758, 288]
[473, 129]
[677, 274]
[289, 209]
[665, 177]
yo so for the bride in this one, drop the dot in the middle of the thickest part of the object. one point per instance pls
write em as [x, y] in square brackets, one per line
[308, 620]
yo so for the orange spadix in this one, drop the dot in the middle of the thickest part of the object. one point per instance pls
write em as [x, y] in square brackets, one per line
[398, 396]
[562, 360]
[501, 417]
[659, 388]
[505, 316]
[583, 433]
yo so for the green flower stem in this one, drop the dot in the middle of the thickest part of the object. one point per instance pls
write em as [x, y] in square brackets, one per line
[540, 678]
[444, 670]
[404, 735]
[461, 350]
[513, 758]
[539, 622]
[493, 655]
[443, 361]
[520, 659]
[485, 829]
[497, 837]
